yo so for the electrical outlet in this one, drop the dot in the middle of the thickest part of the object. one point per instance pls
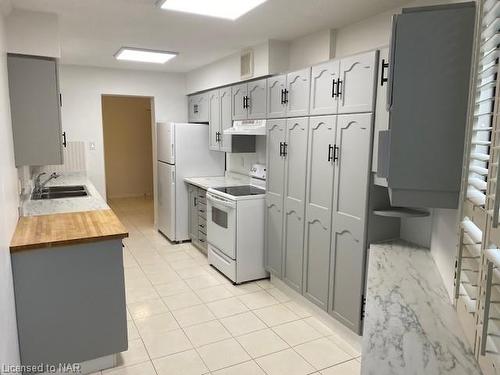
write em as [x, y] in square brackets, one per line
[92, 146]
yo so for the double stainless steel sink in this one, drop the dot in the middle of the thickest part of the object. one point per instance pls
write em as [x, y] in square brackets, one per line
[57, 192]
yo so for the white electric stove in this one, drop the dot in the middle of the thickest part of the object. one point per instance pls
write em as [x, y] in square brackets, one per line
[235, 228]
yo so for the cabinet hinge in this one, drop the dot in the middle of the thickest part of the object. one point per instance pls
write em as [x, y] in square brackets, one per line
[363, 306]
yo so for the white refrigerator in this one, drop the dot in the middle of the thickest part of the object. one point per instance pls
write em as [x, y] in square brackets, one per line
[182, 151]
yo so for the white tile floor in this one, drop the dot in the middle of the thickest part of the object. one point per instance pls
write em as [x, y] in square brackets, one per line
[185, 318]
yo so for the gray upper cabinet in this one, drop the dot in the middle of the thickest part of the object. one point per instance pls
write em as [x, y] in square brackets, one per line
[214, 120]
[257, 99]
[297, 93]
[350, 206]
[274, 196]
[35, 109]
[381, 112]
[356, 88]
[295, 155]
[226, 118]
[276, 103]
[324, 80]
[198, 108]
[239, 95]
[318, 203]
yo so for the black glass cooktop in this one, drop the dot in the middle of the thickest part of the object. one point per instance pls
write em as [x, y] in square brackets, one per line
[241, 191]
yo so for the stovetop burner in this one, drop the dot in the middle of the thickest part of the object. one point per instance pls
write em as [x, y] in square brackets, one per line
[241, 191]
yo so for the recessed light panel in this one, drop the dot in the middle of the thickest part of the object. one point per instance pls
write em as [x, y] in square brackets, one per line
[144, 55]
[229, 9]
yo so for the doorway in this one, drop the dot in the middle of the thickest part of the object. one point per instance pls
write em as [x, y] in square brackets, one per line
[128, 146]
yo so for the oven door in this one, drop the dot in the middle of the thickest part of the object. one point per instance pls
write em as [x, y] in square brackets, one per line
[221, 224]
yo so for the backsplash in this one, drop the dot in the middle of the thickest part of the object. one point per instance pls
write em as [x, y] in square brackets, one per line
[242, 162]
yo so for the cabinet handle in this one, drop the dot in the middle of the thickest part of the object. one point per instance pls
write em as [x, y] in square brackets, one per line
[330, 152]
[60, 99]
[202, 211]
[285, 149]
[201, 226]
[281, 148]
[282, 96]
[64, 143]
[339, 87]
[195, 110]
[336, 150]
[244, 102]
[201, 240]
[334, 88]
[195, 201]
[217, 140]
[383, 78]
[286, 96]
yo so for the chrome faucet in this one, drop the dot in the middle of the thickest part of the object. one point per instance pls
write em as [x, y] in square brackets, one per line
[40, 185]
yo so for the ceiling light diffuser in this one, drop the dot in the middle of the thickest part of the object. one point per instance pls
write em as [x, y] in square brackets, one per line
[144, 55]
[228, 9]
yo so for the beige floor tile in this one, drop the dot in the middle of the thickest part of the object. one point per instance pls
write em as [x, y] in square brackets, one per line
[265, 284]
[214, 293]
[227, 307]
[276, 314]
[286, 362]
[279, 295]
[242, 323]
[246, 368]
[132, 332]
[354, 351]
[145, 368]
[298, 309]
[156, 323]
[146, 309]
[347, 368]
[188, 273]
[297, 332]
[135, 354]
[185, 363]
[322, 353]
[262, 342]
[319, 326]
[239, 290]
[182, 300]
[206, 333]
[163, 278]
[176, 256]
[172, 288]
[202, 281]
[223, 354]
[258, 300]
[193, 315]
[183, 264]
[161, 344]
[141, 294]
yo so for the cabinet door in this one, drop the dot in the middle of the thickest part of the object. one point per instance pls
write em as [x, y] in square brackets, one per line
[324, 88]
[257, 99]
[192, 110]
[381, 112]
[276, 104]
[214, 117]
[35, 110]
[319, 195]
[239, 93]
[226, 118]
[297, 132]
[202, 101]
[349, 218]
[357, 83]
[193, 213]
[298, 90]
[274, 196]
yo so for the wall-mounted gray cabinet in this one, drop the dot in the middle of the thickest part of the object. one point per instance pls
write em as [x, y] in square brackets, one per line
[35, 107]
[422, 153]
[288, 94]
[287, 154]
[198, 108]
[344, 86]
[249, 100]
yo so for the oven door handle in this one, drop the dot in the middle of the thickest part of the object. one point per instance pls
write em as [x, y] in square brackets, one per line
[218, 201]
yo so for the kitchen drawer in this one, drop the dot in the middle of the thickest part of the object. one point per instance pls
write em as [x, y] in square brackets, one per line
[202, 225]
[202, 196]
[202, 239]
[202, 210]
[224, 264]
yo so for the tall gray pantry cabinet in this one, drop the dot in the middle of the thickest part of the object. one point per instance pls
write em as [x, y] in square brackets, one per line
[319, 170]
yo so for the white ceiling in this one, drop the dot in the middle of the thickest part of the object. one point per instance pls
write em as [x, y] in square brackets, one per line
[93, 30]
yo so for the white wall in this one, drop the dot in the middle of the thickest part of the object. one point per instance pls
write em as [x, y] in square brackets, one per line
[312, 49]
[9, 353]
[33, 33]
[82, 88]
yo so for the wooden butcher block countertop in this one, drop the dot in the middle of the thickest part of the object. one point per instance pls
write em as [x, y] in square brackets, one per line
[35, 232]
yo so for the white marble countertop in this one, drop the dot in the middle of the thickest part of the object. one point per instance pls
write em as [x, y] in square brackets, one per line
[411, 326]
[218, 181]
[63, 205]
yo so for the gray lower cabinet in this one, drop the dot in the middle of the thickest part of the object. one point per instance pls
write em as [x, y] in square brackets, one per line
[35, 108]
[320, 174]
[198, 217]
[286, 181]
[70, 302]
[349, 218]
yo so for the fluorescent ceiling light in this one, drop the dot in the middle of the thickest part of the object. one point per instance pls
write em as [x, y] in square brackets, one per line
[229, 9]
[144, 55]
